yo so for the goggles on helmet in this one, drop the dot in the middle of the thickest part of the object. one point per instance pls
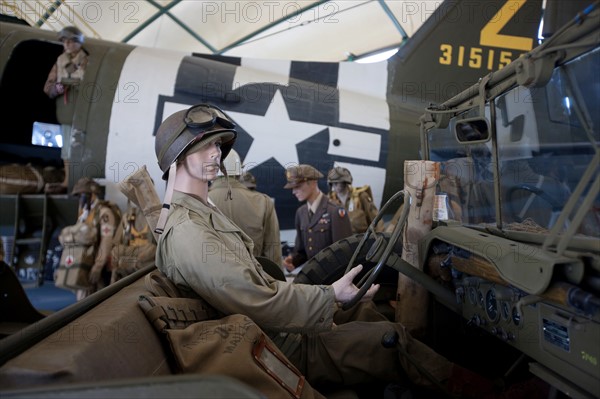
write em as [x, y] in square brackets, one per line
[203, 116]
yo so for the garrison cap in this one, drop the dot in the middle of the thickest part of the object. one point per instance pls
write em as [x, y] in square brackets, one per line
[299, 174]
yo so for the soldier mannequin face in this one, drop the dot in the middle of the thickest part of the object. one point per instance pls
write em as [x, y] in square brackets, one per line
[203, 164]
[340, 188]
[198, 168]
[306, 191]
[71, 46]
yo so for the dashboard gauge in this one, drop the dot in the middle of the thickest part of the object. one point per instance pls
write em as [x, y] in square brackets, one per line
[473, 295]
[491, 306]
[505, 311]
[481, 300]
[516, 316]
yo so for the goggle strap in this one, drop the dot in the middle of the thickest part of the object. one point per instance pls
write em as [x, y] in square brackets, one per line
[164, 212]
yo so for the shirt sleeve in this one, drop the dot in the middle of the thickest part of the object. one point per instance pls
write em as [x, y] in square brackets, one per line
[49, 86]
[272, 238]
[229, 278]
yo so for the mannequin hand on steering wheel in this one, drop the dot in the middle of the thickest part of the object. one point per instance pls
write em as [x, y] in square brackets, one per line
[345, 289]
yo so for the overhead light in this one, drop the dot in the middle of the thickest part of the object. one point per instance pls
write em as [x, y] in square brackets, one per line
[384, 55]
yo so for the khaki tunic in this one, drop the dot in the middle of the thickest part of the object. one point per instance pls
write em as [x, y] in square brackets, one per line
[253, 212]
[330, 223]
[102, 218]
[208, 256]
[66, 68]
[360, 207]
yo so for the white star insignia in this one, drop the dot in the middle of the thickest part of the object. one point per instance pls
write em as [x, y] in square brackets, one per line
[281, 147]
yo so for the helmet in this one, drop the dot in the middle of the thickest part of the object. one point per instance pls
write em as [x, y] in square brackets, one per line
[233, 164]
[248, 180]
[85, 185]
[71, 32]
[339, 175]
[185, 128]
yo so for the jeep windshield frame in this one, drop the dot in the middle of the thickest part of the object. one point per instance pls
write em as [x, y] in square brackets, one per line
[535, 175]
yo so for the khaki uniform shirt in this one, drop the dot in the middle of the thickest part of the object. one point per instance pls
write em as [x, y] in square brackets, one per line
[208, 256]
[66, 68]
[360, 207]
[330, 223]
[253, 212]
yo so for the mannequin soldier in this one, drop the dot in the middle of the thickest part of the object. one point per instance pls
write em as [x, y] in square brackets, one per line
[252, 211]
[208, 256]
[319, 222]
[63, 85]
[104, 217]
[358, 201]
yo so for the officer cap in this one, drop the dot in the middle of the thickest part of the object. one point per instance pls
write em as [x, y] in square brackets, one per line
[85, 185]
[71, 32]
[339, 175]
[200, 124]
[299, 174]
[248, 180]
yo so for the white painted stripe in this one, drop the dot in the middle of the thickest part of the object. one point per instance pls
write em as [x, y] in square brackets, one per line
[262, 71]
[130, 138]
[362, 90]
[354, 144]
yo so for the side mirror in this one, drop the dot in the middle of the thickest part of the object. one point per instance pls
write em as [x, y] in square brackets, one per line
[472, 130]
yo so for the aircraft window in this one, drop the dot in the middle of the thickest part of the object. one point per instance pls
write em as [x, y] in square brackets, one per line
[47, 135]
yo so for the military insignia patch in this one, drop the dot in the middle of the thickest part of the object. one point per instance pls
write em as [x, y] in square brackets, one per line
[342, 212]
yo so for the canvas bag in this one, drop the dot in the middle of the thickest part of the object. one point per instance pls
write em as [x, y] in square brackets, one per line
[233, 345]
[78, 256]
[133, 244]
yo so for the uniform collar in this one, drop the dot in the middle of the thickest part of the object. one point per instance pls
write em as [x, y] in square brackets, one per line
[315, 205]
[189, 201]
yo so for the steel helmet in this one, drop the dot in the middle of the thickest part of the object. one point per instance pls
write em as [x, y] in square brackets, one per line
[233, 164]
[85, 185]
[185, 128]
[71, 32]
[339, 175]
[248, 180]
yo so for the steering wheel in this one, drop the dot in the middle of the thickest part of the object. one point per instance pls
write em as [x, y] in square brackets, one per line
[376, 251]
[555, 207]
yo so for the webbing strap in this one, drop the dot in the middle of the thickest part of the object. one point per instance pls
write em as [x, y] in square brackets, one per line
[164, 212]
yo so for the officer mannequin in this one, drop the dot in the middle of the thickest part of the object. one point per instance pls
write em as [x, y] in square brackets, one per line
[319, 222]
[252, 211]
[357, 201]
[63, 85]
